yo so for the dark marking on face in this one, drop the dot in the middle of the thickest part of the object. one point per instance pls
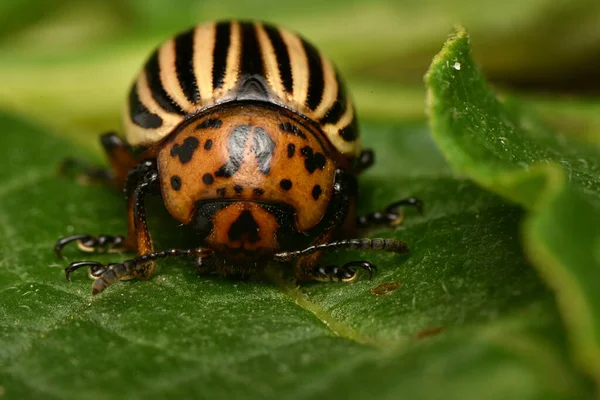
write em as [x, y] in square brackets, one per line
[244, 226]
[285, 184]
[208, 144]
[238, 189]
[210, 123]
[222, 192]
[288, 127]
[312, 160]
[259, 191]
[316, 192]
[263, 146]
[176, 182]
[237, 143]
[186, 150]
[291, 149]
[208, 179]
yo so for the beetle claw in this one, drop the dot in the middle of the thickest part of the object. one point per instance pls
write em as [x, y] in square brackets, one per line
[89, 243]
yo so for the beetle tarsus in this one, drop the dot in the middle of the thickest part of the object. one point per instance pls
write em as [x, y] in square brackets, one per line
[392, 215]
[106, 275]
[364, 161]
[79, 168]
[345, 273]
[89, 243]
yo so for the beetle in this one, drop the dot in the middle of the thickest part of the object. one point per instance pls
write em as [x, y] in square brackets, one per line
[249, 135]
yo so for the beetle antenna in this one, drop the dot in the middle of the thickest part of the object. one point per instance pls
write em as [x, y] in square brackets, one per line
[378, 244]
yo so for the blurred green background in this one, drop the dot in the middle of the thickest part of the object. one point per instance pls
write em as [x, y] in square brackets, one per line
[69, 63]
[65, 66]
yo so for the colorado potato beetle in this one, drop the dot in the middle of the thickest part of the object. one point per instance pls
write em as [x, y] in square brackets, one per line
[248, 134]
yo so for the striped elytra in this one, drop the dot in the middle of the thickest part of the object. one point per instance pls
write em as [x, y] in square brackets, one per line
[237, 61]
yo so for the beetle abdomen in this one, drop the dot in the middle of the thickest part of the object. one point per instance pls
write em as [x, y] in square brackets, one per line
[233, 61]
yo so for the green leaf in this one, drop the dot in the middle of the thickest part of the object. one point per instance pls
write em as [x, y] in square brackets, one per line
[463, 316]
[502, 147]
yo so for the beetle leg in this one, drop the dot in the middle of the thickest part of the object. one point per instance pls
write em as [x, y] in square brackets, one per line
[308, 270]
[345, 273]
[393, 214]
[137, 239]
[142, 180]
[91, 243]
[106, 275]
[365, 160]
[365, 244]
[119, 155]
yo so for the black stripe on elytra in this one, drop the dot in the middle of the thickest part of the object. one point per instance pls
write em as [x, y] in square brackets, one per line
[236, 146]
[156, 86]
[350, 132]
[251, 63]
[288, 127]
[316, 82]
[263, 146]
[282, 56]
[184, 65]
[338, 108]
[220, 51]
[210, 123]
[139, 114]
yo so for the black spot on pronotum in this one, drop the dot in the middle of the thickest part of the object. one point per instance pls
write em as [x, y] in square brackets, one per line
[208, 179]
[291, 149]
[210, 123]
[186, 150]
[221, 192]
[288, 127]
[259, 191]
[244, 227]
[208, 144]
[312, 160]
[238, 189]
[316, 192]
[176, 182]
[285, 184]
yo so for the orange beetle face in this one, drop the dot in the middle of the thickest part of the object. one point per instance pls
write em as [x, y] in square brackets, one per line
[238, 173]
